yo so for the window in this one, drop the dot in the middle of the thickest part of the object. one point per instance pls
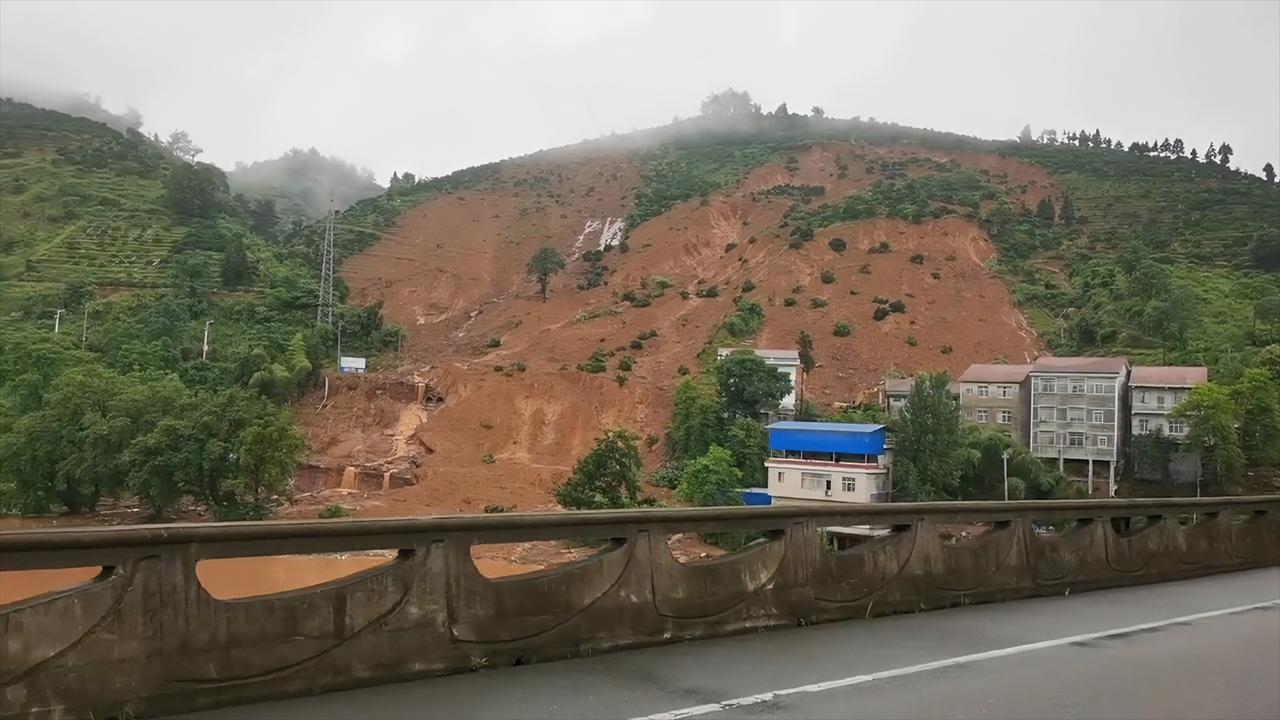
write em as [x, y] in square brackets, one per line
[968, 391]
[1006, 417]
[1144, 425]
[1046, 438]
[1101, 389]
[1049, 385]
[1104, 441]
[1098, 416]
[982, 416]
[1160, 400]
[1075, 414]
[1177, 426]
[1006, 391]
[1075, 439]
[814, 481]
[781, 476]
[984, 391]
[1047, 413]
[1142, 397]
[849, 484]
[1075, 386]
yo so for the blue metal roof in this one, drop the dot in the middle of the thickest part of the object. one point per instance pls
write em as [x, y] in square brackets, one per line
[858, 428]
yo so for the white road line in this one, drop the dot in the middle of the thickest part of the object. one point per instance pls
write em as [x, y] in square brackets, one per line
[949, 662]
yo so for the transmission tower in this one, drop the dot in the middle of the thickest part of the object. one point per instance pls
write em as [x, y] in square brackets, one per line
[324, 308]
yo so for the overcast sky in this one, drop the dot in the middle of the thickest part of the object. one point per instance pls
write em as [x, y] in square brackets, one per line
[434, 87]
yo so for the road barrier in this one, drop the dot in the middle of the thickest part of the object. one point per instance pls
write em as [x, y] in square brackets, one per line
[144, 637]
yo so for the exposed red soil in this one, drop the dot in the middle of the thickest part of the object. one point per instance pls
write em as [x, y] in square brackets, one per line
[453, 272]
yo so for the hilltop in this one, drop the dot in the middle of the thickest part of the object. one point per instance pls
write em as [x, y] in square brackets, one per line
[304, 184]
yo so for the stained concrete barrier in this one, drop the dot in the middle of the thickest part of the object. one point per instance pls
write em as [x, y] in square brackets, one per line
[144, 637]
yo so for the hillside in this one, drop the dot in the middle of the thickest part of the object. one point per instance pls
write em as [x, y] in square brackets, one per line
[304, 184]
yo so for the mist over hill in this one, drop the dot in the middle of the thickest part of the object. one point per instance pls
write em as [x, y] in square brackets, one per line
[305, 183]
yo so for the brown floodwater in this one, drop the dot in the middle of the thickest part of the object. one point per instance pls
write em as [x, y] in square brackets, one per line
[231, 578]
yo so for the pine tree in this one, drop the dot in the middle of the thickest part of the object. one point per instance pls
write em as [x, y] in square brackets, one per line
[1178, 147]
[1269, 172]
[1166, 148]
[1024, 137]
[1068, 214]
[1195, 154]
[1224, 154]
[1096, 140]
[1044, 210]
[1211, 155]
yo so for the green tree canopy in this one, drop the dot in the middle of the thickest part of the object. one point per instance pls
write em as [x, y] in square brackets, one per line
[547, 261]
[1257, 395]
[697, 420]
[710, 480]
[196, 192]
[929, 452]
[608, 477]
[1212, 418]
[748, 442]
[749, 387]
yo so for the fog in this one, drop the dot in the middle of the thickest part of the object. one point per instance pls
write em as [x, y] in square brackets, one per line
[304, 183]
[430, 88]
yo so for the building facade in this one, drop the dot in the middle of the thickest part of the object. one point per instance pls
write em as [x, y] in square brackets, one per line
[786, 362]
[1077, 413]
[827, 462]
[1153, 393]
[996, 397]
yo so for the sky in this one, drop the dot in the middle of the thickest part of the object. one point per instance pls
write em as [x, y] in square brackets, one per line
[434, 87]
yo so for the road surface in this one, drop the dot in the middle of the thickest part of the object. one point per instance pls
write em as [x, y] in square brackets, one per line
[1193, 649]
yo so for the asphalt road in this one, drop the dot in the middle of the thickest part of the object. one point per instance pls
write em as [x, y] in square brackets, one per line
[1205, 648]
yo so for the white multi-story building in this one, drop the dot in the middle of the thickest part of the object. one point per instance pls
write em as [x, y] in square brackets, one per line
[1077, 412]
[1153, 393]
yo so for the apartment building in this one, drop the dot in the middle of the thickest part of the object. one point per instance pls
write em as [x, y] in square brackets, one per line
[895, 391]
[1077, 413]
[827, 462]
[1153, 393]
[996, 397]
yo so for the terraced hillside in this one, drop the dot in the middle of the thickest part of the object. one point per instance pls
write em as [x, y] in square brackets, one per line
[79, 201]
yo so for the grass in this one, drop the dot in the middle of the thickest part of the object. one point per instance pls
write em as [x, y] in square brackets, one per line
[674, 175]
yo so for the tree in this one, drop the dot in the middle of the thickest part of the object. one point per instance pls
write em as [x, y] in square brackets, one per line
[781, 111]
[1050, 136]
[1178, 147]
[1211, 154]
[1224, 154]
[748, 442]
[193, 275]
[804, 348]
[607, 477]
[268, 453]
[817, 112]
[1269, 172]
[195, 192]
[1024, 137]
[236, 267]
[929, 452]
[729, 103]
[1045, 212]
[547, 261]
[1211, 419]
[1068, 214]
[697, 420]
[711, 480]
[1166, 147]
[1257, 395]
[179, 143]
[1096, 139]
[1195, 154]
[748, 387]
[263, 219]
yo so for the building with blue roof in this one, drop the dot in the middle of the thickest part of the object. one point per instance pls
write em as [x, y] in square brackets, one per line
[827, 462]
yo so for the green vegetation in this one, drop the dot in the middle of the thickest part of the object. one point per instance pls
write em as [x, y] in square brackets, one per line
[711, 479]
[788, 301]
[331, 512]
[746, 319]
[493, 342]
[929, 453]
[842, 329]
[817, 302]
[828, 277]
[597, 363]
[547, 261]
[837, 245]
[606, 478]
[675, 174]
[747, 386]
[141, 408]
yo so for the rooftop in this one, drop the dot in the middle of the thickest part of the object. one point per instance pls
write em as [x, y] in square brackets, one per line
[1169, 376]
[898, 385]
[851, 428]
[767, 354]
[1106, 365]
[995, 373]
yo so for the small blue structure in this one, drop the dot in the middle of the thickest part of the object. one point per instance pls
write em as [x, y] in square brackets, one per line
[756, 496]
[823, 437]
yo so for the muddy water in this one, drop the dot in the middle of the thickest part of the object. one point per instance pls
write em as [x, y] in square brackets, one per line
[237, 577]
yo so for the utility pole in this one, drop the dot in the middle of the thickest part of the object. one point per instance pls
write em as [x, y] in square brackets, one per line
[204, 350]
[84, 328]
[339, 345]
[1005, 457]
[57, 320]
[324, 307]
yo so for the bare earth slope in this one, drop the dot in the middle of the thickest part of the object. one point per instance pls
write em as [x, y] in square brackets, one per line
[453, 272]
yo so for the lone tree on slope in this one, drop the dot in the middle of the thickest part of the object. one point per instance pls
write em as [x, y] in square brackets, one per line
[546, 262]
[1269, 172]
